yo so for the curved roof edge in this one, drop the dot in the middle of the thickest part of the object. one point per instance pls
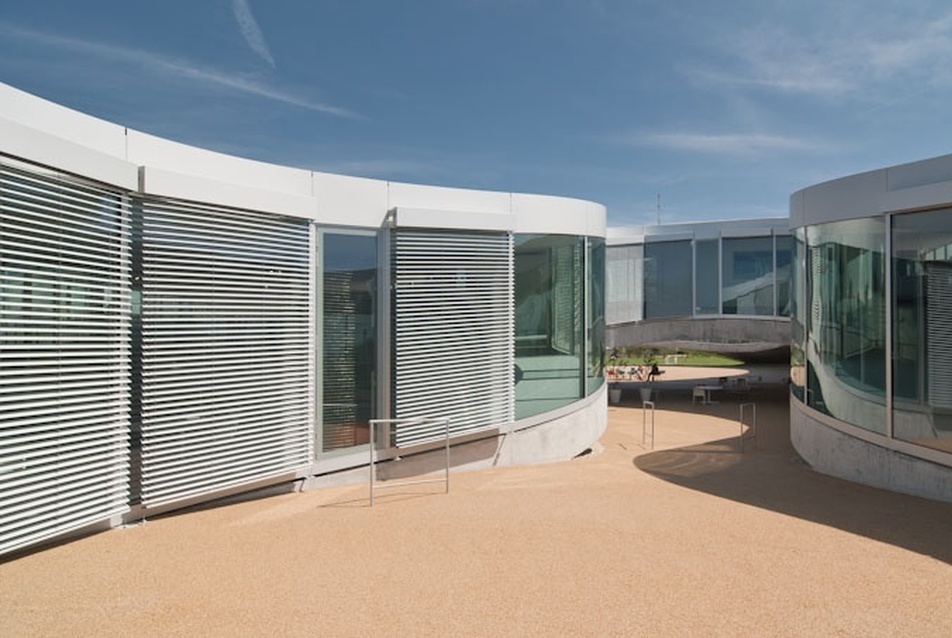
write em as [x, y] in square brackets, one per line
[914, 185]
[46, 133]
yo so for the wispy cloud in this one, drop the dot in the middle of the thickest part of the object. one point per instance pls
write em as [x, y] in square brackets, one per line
[251, 32]
[850, 48]
[160, 65]
[734, 144]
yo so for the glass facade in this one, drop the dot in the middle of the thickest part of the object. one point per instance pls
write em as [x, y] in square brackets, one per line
[747, 267]
[846, 321]
[922, 328]
[667, 268]
[595, 313]
[706, 277]
[747, 276]
[559, 320]
[348, 286]
[881, 363]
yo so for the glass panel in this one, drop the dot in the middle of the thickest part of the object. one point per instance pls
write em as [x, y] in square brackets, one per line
[548, 318]
[846, 329]
[595, 311]
[747, 270]
[798, 306]
[784, 255]
[922, 339]
[706, 277]
[349, 277]
[668, 279]
[624, 289]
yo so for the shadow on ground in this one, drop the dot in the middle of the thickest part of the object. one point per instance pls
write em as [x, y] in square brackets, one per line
[773, 477]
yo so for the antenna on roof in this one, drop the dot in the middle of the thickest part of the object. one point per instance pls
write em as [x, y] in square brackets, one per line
[659, 209]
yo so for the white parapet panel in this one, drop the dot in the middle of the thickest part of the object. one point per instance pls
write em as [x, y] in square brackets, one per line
[917, 197]
[58, 121]
[447, 199]
[452, 220]
[166, 183]
[156, 152]
[65, 156]
[558, 215]
[351, 201]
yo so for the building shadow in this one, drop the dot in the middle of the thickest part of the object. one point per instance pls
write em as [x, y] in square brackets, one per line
[779, 481]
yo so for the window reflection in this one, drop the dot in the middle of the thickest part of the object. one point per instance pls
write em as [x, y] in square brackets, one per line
[846, 328]
[668, 279]
[549, 279]
[922, 336]
[349, 277]
[747, 267]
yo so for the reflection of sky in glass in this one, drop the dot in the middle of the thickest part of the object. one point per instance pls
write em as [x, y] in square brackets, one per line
[349, 252]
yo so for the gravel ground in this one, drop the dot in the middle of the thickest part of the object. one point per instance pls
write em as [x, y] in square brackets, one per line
[692, 537]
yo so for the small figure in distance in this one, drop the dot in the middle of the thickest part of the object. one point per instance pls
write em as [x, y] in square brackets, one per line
[654, 372]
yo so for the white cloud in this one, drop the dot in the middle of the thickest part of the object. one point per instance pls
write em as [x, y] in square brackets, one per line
[250, 31]
[840, 50]
[736, 144]
[157, 64]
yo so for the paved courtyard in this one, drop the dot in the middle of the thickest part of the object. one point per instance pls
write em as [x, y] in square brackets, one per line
[692, 537]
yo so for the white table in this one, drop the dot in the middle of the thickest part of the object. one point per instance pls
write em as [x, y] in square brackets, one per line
[707, 392]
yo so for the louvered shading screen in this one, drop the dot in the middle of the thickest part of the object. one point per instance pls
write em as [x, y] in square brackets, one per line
[225, 368]
[64, 356]
[452, 334]
[939, 332]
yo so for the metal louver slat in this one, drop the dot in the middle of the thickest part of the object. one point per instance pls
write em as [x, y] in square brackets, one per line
[64, 351]
[452, 331]
[939, 332]
[224, 370]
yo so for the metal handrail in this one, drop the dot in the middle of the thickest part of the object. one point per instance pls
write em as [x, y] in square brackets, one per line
[388, 422]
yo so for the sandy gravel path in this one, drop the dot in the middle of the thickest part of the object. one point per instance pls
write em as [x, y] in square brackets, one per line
[692, 538]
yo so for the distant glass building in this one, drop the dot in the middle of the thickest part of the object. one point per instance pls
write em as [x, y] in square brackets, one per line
[721, 286]
[872, 327]
[178, 325]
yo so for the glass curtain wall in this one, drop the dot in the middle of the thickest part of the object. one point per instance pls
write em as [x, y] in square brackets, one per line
[846, 325]
[707, 279]
[747, 268]
[668, 269]
[595, 313]
[921, 328]
[348, 275]
[549, 342]
[798, 321]
[784, 253]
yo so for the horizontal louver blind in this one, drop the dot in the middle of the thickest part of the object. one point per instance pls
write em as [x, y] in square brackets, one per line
[225, 375]
[939, 333]
[64, 357]
[452, 332]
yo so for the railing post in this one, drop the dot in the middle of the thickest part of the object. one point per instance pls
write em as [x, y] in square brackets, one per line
[753, 426]
[644, 422]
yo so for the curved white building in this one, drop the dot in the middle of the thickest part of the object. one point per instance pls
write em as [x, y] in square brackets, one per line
[872, 327]
[178, 325]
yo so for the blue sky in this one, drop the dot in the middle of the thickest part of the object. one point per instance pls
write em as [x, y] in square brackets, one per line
[722, 108]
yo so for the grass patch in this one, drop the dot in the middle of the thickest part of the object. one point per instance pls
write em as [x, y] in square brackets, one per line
[646, 356]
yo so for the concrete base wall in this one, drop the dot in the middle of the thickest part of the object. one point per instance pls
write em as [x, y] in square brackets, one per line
[838, 454]
[557, 436]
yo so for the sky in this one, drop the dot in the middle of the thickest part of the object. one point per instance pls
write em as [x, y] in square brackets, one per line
[683, 110]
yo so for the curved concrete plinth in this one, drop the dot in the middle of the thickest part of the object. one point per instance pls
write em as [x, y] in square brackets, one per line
[838, 454]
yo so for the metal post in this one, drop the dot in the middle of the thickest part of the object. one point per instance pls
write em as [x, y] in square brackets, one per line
[753, 427]
[644, 421]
